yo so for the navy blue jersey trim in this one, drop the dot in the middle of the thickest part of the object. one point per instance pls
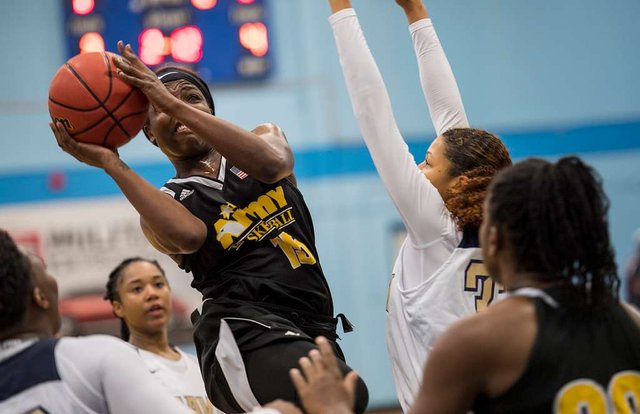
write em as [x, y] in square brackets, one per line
[470, 239]
[31, 367]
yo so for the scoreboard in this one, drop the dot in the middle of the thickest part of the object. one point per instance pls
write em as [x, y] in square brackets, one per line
[224, 40]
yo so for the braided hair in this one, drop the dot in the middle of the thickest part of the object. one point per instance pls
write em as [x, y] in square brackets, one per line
[111, 293]
[553, 217]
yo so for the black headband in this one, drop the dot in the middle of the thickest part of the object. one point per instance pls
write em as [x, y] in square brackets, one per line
[174, 74]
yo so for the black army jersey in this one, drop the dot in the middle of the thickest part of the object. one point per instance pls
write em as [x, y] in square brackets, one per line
[260, 247]
[578, 364]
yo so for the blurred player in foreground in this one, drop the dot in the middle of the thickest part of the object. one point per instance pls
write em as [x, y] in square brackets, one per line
[40, 373]
[561, 341]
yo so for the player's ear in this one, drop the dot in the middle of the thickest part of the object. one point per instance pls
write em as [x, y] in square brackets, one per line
[118, 310]
[40, 298]
[494, 242]
[149, 134]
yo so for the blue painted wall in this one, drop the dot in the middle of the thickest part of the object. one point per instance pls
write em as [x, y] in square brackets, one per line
[551, 76]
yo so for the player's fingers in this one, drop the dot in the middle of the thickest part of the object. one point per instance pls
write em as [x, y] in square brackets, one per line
[316, 358]
[131, 80]
[123, 64]
[120, 46]
[56, 134]
[298, 380]
[133, 57]
[328, 356]
[307, 367]
[350, 382]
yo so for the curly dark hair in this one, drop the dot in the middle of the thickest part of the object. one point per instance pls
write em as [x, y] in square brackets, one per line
[111, 293]
[15, 283]
[553, 217]
[477, 155]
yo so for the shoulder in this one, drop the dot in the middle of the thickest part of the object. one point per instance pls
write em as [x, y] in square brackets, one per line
[100, 341]
[95, 347]
[475, 339]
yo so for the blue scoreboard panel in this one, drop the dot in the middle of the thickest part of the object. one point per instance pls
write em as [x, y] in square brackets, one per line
[225, 40]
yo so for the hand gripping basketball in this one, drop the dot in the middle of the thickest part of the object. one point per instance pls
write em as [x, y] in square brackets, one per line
[137, 74]
[93, 104]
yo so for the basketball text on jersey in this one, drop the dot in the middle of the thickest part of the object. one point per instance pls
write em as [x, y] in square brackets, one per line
[255, 221]
[264, 217]
[199, 405]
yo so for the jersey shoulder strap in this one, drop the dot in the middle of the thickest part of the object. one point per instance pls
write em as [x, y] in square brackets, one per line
[33, 366]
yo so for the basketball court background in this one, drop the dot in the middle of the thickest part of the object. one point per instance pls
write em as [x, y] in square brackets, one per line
[550, 77]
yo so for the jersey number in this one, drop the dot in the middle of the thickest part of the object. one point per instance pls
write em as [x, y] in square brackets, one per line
[587, 396]
[476, 279]
[297, 253]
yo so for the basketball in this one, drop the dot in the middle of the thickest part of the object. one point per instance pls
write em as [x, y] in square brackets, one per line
[94, 104]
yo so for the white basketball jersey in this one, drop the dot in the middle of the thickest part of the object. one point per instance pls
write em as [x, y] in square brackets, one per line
[417, 316]
[93, 374]
[182, 378]
[30, 380]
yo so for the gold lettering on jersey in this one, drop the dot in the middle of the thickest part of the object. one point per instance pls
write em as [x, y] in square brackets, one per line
[38, 410]
[267, 213]
[265, 227]
[197, 404]
[586, 395]
[477, 280]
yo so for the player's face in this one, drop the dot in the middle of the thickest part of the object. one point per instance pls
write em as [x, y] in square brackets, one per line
[145, 298]
[436, 167]
[48, 286]
[174, 139]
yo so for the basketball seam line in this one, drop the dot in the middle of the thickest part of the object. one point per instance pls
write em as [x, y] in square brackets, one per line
[74, 108]
[109, 114]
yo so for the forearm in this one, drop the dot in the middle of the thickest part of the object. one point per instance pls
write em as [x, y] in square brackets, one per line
[178, 230]
[436, 78]
[265, 160]
[337, 5]
[414, 10]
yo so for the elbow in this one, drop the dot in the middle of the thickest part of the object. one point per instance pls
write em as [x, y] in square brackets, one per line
[275, 170]
[188, 244]
[186, 240]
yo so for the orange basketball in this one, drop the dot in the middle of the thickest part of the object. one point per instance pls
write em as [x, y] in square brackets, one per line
[94, 104]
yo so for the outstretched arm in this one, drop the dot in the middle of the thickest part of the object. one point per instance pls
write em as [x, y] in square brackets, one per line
[267, 158]
[436, 77]
[418, 202]
[168, 225]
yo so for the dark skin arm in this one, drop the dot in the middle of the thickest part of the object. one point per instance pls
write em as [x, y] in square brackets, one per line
[413, 9]
[168, 225]
[266, 156]
[481, 354]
